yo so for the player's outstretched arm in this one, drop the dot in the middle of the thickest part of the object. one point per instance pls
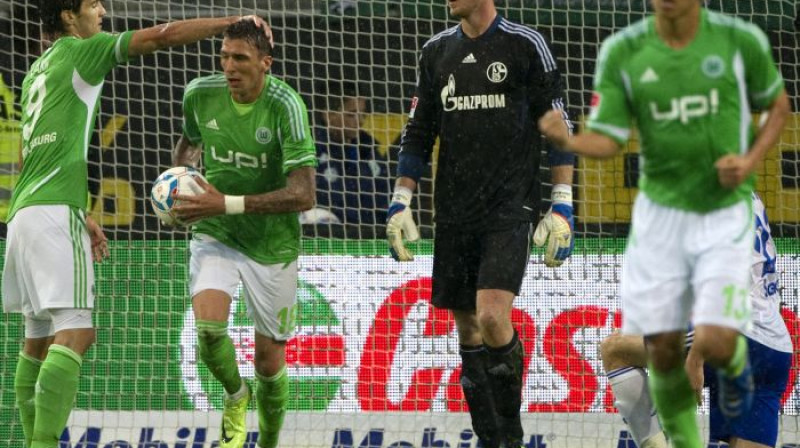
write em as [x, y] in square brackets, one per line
[182, 32]
[589, 144]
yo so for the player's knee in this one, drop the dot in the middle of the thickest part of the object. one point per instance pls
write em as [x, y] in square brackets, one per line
[666, 355]
[490, 321]
[610, 352]
[716, 345]
[270, 356]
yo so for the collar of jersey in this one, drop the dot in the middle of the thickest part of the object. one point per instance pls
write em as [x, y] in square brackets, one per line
[244, 109]
[489, 31]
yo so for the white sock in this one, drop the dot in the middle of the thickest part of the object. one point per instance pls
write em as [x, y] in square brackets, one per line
[632, 399]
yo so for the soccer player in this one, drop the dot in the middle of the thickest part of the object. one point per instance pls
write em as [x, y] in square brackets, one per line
[688, 78]
[481, 87]
[259, 159]
[769, 350]
[48, 274]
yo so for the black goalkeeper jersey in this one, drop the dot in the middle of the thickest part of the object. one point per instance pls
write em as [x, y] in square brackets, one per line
[483, 97]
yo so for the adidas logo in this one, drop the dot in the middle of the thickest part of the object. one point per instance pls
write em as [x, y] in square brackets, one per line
[470, 59]
[212, 124]
[649, 75]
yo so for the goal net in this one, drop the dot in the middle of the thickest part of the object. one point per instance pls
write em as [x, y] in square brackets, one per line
[372, 363]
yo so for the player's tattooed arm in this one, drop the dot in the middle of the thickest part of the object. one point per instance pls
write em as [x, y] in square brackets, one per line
[298, 195]
[186, 154]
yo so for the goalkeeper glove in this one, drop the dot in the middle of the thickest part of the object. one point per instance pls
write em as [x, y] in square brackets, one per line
[555, 229]
[399, 224]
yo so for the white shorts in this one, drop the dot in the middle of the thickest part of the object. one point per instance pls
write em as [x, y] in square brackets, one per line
[680, 265]
[48, 261]
[270, 290]
[48, 322]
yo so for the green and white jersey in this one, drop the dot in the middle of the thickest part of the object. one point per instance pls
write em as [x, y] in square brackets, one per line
[691, 106]
[60, 99]
[250, 153]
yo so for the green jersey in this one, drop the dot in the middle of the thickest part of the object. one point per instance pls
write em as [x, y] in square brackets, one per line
[691, 106]
[60, 99]
[250, 153]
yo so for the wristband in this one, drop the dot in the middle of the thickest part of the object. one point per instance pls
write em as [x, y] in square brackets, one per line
[562, 194]
[234, 205]
[402, 195]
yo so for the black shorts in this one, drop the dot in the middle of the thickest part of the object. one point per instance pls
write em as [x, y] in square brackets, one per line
[466, 261]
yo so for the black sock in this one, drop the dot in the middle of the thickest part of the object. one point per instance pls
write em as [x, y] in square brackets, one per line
[504, 369]
[478, 392]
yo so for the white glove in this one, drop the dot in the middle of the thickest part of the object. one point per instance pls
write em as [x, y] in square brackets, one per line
[555, 229]
[400, 223]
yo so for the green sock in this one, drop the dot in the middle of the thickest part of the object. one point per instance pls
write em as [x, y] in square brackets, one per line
[55, 394]
[272, 395]
[675, 402]
[25, 386]
[738, 360]
[217, 352]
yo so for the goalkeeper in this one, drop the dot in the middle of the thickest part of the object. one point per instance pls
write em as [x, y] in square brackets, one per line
[48, 274]
[688, 78]
[769, 350]
[481, 86]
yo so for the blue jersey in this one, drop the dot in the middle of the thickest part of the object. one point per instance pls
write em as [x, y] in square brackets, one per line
[353, 180]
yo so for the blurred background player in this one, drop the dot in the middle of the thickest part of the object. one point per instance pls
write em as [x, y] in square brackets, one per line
[769, 350]
[481, 87]
[259, 159]
[353, 180]
[48, 274]
[688, 78]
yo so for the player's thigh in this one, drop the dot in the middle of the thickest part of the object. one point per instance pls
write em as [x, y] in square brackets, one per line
[456, 260]
[214, 276]
[49, 261]
[721, 280]
[504, 258]
[655, 288]
[270, 291]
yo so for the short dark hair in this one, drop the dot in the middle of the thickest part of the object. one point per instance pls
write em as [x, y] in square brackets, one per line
[50, 14]
[330, 94]
[247, 30]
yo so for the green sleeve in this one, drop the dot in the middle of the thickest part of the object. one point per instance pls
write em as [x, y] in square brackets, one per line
[99, 54]
[191, 128]
[764, 81]
[610, 112]
[297, 143]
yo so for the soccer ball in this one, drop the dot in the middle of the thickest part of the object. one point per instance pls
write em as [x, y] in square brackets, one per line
[176, 180]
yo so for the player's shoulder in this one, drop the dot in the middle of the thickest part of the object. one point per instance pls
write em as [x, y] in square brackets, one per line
[629, 38]
[440, 38]
[522, 39]
[282, 90]
[738, 29]
[207, 85]
[523, 34]
[283, 96]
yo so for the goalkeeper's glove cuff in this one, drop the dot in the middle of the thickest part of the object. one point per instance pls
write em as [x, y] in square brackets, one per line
[402, 195]
[562, 194]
